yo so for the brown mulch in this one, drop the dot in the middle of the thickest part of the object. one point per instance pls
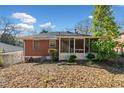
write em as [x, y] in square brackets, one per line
[51, 75]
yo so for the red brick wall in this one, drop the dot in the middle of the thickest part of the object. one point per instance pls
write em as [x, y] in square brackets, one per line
[42, 51]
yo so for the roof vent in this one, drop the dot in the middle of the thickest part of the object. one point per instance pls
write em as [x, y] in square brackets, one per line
[76, 31]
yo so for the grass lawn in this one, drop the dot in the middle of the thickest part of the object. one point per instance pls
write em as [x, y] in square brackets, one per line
[52, 75]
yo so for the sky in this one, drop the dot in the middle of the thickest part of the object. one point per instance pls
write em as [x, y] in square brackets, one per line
[55, 17]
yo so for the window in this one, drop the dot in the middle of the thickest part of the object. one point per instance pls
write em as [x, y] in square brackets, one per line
[36, 44]
[52, 43]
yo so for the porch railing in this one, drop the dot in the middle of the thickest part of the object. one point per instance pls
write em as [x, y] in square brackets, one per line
[79, 50]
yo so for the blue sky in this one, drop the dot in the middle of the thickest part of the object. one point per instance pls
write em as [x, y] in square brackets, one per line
[56, 17]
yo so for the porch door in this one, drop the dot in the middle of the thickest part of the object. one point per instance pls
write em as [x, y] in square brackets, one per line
[71, 43]
[79, 46]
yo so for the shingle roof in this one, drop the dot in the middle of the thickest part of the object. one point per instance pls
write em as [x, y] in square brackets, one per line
[61, 33]
[9, 48]
[54, 34]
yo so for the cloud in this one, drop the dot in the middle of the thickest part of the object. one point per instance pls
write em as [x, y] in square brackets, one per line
[24, 27]
[121, 5]
[26, 24]
[24, 18]
[90, 17]
[47, 26]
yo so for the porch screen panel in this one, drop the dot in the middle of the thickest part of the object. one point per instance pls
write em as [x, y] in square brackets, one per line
[71, 45]
[79, 45]
[87, 45]
[65, 45]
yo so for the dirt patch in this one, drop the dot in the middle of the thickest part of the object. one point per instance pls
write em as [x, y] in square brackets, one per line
[52, 75]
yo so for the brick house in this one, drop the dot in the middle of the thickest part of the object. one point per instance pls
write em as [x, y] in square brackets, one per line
[66, 43]
[120, 40]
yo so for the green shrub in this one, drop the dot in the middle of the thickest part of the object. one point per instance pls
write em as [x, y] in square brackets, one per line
[53, 54]
[90, 56]
[104, 49]
[1, 61]
[121, 55]
[72, 58]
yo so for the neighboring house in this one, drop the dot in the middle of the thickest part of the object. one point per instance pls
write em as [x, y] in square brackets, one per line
[11, 54]
[9, 48]
[66, 43]
[18, 42]
[120, 40]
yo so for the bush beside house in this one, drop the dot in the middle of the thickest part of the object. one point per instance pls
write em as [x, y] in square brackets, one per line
[90, 56]
[53, 53]
[1, 59]
[72, 58]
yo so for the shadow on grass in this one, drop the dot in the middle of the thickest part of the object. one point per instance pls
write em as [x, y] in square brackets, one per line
[99, 65]
[112, 69]
[43, 62]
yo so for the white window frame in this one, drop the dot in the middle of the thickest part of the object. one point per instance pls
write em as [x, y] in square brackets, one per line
[52, 41]
[38, 46]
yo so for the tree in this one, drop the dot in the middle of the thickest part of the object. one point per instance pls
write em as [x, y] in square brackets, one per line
[105, 28]
[44, 31]
[7, 31]
[83, 26]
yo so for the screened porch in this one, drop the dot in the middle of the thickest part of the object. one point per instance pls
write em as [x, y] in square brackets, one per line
[74, 46]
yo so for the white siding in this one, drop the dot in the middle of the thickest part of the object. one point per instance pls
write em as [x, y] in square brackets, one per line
[65, 56]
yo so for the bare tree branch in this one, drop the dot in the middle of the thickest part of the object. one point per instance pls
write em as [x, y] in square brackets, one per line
[7, 31]
[83, 26]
